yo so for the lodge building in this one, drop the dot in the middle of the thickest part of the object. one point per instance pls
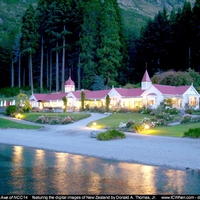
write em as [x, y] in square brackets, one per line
[148, 95]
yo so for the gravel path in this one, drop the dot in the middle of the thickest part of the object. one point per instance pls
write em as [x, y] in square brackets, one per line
[75, 138]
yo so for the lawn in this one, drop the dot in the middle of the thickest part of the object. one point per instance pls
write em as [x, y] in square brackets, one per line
[33, 116]
[174, 131]
[114, 120]
[5, 123]
[111, 122]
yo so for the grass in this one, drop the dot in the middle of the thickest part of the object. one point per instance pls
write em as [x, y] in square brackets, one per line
[114, 120]
[33, 116]
[111, 122]
[173, 131]
[5, 123]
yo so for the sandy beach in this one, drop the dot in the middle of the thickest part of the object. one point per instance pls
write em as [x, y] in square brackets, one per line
[75, 138]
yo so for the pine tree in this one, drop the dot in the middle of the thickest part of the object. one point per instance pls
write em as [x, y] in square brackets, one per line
[154, 42]
[29, 39]
[181, 42]
[42, 13]
[109, 54]
[89, 42]
[53, 31]
[196, 33]
[123, 71]
[17, 56]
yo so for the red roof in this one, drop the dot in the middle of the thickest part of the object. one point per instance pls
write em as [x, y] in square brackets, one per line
[100, 94]
[134, 92]
[40, 97]
[48, 97]
[77, 93]
[146, 77]
[172, 90]
[69, 82]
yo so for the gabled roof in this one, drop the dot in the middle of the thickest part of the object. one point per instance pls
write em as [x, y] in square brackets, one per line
[146, 77]
[48, 97]
[40, 97]
[100, 94]
[171, 90]
[77, 93]
[134, 92]
[55, 96]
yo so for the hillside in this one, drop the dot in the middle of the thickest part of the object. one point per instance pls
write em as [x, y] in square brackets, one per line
[135, 13]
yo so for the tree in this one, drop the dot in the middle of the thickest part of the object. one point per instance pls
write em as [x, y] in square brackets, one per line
[124, 70]
[196, 33]
[177, 78]
[181, 44]
[65, 104]
[107, 103]
[157, 38]
[17, 56]
[109, 54]
[82, 101]
[89, 42]
[29, 38]
[98, 84]
[23, 102]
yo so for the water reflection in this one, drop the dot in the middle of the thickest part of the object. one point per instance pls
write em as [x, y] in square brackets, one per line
[31, 171]
[175, 181]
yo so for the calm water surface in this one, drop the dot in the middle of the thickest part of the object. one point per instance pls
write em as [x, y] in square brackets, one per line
[33, 171]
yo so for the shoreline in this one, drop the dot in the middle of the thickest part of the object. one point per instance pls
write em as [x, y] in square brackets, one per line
[170, 152]
[105, 158]
[132, 149]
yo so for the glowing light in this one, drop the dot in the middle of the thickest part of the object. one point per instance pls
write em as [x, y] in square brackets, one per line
[94, 124]
[19, 116]
[146, 126]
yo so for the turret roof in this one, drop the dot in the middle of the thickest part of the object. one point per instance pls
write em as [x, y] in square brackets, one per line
[146, 77]
[69, 82]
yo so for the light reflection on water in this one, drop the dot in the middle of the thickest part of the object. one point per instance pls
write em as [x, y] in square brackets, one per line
[33, 171]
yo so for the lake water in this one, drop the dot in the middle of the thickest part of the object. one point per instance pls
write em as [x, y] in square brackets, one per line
[34, 171]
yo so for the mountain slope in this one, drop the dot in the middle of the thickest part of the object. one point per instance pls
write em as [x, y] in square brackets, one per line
[135, 13]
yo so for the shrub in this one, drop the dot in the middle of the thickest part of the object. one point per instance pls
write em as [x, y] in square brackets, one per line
[107, 103]
[172, 111]
[193, 133]
[195, 119]
[65, 104]
[111, 134]
[186, 119]
[197, 112]
[130, 123]
[189, 119]
[146, 110]
[54, 120]
[67, 120]
[23, 102]
[11, 110]
[189, 111]
[98, 109]
[138, 127]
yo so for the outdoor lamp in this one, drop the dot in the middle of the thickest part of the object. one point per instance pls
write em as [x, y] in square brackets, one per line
[94, 124]
[146, 126]
[19, 116]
